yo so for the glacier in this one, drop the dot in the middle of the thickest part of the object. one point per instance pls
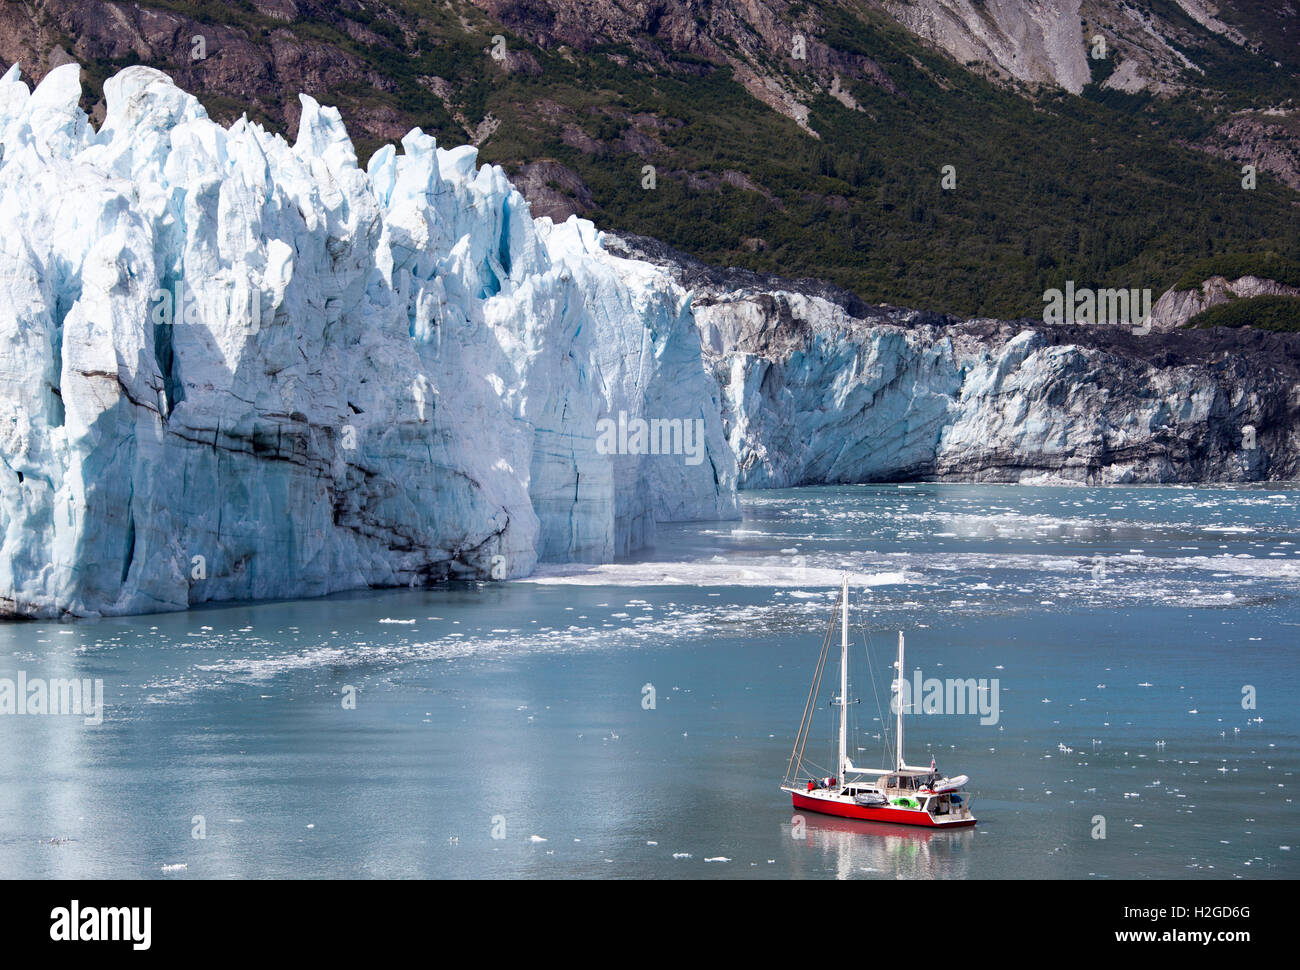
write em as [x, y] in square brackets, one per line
[820, 387]
[239, 368]
[836, 399]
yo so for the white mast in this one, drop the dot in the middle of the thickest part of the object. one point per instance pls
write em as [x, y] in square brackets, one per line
[844, 672]
[901, 675]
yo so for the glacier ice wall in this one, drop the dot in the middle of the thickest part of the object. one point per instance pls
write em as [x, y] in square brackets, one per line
[828, 402]
[814, 394]
[238, 368]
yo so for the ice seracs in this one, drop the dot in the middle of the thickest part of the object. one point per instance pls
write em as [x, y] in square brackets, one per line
[235, 367]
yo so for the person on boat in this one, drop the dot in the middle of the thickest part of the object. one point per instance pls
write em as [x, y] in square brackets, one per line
[811, 785]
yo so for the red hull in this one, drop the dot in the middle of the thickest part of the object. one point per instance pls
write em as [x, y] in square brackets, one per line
[896, 816]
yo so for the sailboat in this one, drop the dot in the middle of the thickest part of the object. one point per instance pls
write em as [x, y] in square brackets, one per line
[900, 794]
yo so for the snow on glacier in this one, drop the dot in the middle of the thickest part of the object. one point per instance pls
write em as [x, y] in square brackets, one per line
[354, 378]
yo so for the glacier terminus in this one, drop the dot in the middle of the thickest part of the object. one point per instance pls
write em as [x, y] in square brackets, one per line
[237, 368]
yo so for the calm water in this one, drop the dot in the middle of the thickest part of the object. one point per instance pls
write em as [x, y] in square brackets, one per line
[517, 709]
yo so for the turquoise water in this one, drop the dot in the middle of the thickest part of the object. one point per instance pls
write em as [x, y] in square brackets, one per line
[520, 710]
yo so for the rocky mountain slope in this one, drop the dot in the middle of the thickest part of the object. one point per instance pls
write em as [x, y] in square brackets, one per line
[1177, 307]
[796, 138]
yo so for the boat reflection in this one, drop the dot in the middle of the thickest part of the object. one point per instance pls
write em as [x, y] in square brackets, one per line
[874, 850]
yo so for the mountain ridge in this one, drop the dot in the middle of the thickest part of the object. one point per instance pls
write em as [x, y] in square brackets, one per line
[827, 166]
